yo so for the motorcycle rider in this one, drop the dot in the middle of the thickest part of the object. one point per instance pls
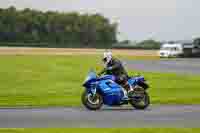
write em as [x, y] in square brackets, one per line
[115, 67]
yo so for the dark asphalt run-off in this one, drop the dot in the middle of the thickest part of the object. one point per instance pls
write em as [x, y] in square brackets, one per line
[155, 116]
[176, 65]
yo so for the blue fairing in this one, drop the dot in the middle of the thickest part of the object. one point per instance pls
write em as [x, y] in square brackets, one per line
[112, 92]
[135, 80]
[106, 86]
[107, 77]
[91, 78]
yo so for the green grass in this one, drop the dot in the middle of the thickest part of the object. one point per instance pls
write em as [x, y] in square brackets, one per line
[101, 130]
[56, 81]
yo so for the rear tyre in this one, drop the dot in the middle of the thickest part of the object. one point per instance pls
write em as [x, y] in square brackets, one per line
[145, 102]
[92, 102]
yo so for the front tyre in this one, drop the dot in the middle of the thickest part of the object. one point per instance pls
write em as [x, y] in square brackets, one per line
[141, 104]
[92, 102]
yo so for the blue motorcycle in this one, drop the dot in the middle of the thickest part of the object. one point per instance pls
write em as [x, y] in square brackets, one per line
[104, 90]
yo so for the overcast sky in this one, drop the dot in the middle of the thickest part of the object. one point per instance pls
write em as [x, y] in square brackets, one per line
[138, 19]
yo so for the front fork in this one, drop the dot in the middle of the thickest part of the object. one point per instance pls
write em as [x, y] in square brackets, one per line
[92, 90]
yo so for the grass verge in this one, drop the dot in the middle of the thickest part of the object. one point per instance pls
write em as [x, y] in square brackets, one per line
[56, 81]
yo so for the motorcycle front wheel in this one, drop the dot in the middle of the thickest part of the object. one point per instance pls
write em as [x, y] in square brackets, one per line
[92, 102]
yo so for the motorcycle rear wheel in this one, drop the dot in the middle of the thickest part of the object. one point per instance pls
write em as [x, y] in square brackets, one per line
[92, 102]
[138, 105]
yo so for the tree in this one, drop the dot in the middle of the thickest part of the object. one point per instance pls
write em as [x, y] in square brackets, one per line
[33, 26]
[149, 44]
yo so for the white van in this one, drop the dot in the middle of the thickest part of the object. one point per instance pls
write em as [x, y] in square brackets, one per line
[179, 49]
[171, 50]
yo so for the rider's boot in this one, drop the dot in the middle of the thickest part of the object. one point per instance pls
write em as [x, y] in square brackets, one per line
[129, 89]
[125, 94]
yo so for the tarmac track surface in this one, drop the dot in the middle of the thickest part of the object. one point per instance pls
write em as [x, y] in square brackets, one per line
[155, 116]
[179, 65]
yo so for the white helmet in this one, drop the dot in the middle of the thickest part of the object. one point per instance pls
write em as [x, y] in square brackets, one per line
[107, 57]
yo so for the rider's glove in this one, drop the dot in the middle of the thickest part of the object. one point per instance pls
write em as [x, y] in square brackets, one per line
[109, 68]
[99, 74]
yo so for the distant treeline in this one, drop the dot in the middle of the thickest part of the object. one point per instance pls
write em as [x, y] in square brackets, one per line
[145, 44]
[54, 29]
